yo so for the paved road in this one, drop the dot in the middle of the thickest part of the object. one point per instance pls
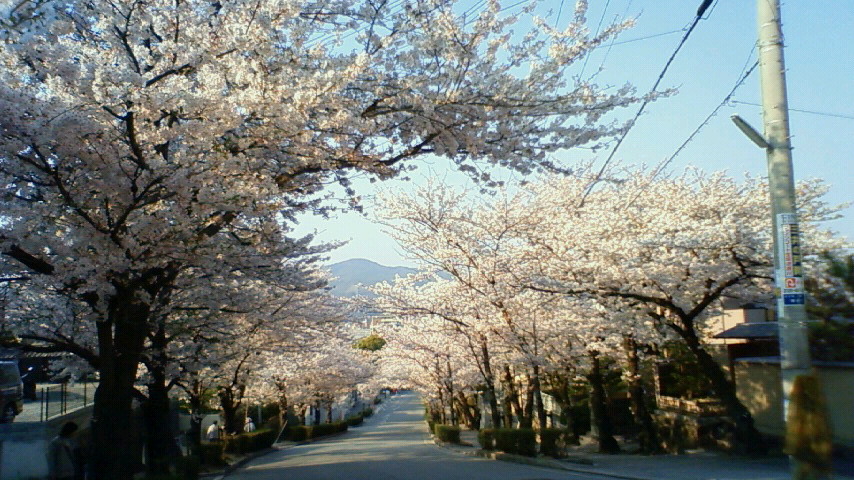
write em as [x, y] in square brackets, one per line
[391, 445]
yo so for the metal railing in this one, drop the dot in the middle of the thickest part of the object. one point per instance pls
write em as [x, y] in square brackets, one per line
[59, 399]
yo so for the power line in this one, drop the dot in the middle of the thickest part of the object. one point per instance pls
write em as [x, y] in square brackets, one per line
[598, 28]
[742, 77]
[697, 18]
[631, 40]
[811, 112]
[745, 73]
[559, 11]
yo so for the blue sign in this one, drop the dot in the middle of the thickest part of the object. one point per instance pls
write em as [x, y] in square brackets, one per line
[793, 299]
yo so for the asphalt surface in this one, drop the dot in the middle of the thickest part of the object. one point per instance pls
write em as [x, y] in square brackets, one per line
[391, 445]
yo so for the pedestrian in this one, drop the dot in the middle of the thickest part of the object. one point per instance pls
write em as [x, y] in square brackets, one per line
[249, 427]
[61, 458]
[213, 432]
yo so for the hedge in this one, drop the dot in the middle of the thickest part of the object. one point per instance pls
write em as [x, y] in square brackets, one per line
[553, 441]
[520, 441]
[355, 420]
[308, 432]
[486, 438]
[367, 412]
[250, 442]
[211, 453]
[431, 425]
[448, 433]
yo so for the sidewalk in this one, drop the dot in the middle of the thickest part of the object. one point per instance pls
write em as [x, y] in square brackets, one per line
[697, 465]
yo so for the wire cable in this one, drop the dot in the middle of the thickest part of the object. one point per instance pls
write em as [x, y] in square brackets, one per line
[598, 29]
[559, 11]
[745, 73]
[811, 112]
[697, 18]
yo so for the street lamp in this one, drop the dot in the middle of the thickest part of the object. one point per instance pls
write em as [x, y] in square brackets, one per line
[751, 132]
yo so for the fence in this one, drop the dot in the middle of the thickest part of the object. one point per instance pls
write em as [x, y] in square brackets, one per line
[59, 399]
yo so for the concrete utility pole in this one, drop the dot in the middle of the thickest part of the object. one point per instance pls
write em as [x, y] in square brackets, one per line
[789, 275]
[788, 267]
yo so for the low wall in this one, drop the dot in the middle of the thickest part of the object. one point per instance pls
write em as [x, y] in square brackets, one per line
[758, 386]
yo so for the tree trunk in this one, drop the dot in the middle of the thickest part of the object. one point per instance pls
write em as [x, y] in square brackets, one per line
[489, 394]
[230, 401]
[195, 433]
[120, 341]
[450, 386]
[529, 403]
[600, 420]
[160, 444]
[538, 397]
[508, 410]
[302, 414]
[648, 433]
[283, 410]
[442, 408]
[560, 388]
[160, 440]
[468, 416]
[513, 396]
[748, 439]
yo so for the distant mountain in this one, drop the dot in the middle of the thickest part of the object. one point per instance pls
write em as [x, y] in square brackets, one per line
[350, 276]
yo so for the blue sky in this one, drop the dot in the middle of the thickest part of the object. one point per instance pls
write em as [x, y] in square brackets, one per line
[819, 39]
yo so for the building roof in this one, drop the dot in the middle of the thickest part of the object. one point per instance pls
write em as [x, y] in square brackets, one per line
[14, 353]
[776, 361]
[756, 330]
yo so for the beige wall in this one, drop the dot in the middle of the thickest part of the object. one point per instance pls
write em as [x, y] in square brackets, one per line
[758, 387]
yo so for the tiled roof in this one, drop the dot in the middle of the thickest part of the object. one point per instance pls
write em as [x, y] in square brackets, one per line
[751, 330]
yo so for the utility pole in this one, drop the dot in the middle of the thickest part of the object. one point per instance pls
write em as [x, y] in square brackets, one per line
[788, 268]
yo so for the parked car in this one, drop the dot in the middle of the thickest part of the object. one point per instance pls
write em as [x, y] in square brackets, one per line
[11, 391]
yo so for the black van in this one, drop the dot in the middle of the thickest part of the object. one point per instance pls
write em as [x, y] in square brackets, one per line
[11, 391]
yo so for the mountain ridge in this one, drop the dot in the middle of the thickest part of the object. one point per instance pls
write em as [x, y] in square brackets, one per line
[350, 277]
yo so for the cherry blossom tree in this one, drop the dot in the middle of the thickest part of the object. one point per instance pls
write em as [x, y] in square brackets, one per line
[672, 247]
[145, 140]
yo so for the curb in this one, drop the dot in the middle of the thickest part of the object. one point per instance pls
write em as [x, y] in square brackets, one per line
[234, 466]
[542, 462]
[554, 464]
[219, 475]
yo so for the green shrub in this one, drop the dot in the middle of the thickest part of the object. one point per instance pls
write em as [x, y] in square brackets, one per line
[519, 441]
[252, 442]
[553, 441]
[211, 453]
[298, 433]
[355, 420]
[236, 444]
[448, 433]
[309, 432]
[367, 412]
[431, 425]
[378, 400]
[486, 438]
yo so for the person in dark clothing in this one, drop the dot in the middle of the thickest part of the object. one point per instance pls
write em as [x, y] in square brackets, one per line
[61, 454]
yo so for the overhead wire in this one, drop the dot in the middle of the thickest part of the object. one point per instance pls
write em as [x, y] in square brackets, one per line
[559, 11]
[700, 12]
[745, 73]
[800, 110]
[598, 29]
[742, 77]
